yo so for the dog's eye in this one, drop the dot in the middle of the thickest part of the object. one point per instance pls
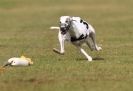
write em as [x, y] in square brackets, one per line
[59, 23]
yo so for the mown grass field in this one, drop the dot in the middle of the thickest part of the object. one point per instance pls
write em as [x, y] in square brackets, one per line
[24, 30]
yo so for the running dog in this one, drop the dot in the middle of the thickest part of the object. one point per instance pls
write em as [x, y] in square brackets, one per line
[77, 31]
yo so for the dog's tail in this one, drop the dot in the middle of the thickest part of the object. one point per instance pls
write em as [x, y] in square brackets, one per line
[53, 27]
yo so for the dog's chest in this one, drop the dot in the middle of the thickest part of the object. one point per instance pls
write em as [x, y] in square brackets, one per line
[77, 29]
[77, 32]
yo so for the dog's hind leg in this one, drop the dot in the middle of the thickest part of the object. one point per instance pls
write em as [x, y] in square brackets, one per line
[97, 48]
[93, 37]
[85, 54]
[89, 43]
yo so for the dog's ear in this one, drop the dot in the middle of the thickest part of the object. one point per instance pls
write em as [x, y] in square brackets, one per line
[69, 19]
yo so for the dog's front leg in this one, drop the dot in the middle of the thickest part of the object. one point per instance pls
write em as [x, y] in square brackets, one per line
[61, 41]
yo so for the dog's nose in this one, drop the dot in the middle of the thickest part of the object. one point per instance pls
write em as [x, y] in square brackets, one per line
[62, 28]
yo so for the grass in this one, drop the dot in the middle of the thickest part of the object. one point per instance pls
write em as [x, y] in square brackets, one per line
[24, 30]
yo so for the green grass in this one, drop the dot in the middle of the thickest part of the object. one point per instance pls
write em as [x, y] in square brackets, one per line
[24, 30]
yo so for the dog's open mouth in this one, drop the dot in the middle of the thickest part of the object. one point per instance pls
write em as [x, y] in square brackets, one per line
[63, 30]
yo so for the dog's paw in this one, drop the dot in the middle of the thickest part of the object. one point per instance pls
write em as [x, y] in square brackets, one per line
[57, 51]
[99, 48]
[89, 58]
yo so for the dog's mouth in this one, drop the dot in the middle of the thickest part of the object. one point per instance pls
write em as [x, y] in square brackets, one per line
[63, 30]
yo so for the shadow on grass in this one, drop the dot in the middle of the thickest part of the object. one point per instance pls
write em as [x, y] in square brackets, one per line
[98, 58]
[94, 59]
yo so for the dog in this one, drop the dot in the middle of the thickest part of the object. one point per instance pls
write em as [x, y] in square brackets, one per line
[77, 31]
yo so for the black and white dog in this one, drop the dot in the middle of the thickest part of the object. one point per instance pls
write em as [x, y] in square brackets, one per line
[77, 31]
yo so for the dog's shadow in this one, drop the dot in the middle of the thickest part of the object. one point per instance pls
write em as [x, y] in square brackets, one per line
[94, 59]
[97, 58]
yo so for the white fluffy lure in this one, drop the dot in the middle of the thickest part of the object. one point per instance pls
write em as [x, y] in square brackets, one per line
[19, 61]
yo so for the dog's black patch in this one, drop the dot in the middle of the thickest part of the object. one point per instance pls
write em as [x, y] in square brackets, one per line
[73, 39]
[81, 20]
[85, 23]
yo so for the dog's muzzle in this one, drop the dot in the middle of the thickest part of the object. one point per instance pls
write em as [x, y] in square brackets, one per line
[64, 28]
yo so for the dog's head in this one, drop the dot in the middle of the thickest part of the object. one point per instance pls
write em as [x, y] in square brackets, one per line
[65, 23]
